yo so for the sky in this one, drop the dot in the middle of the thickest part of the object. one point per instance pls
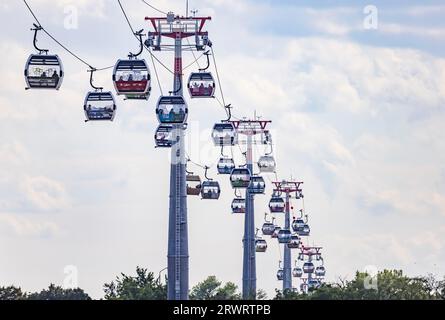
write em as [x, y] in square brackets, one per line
[357, 115]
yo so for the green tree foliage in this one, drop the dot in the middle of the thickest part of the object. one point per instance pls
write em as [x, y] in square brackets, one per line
[143, 286]
[212, 289]
[58, 293]
[11, 293]
[391, 285]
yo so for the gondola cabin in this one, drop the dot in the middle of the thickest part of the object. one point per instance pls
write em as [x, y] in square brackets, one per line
[268, 228]
[267, 164]
[201, 85]
[298, 225]
[320, 271]
[132, 78]
[240, 178]
[284, 236]
[99, 106]
[164, 136]
[297, 272]
[172, 110]
[276, 205]
[280, 274]
[224, 134]
[305, 231]
[225, 165]
[294, 242]
[239, 205]
[308, 267]
[43, 71]
[210, 190]
[260, 245]
[257, 185]
[193, 185]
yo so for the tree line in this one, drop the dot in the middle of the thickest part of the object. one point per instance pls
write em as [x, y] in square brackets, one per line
[388, 285]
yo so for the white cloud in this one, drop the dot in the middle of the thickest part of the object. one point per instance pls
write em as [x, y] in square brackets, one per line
[44, 193]
[27, 227]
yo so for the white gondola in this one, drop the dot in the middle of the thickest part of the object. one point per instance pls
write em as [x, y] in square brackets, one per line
[240, 178]
[268, 228]
[257, 185]
[294, 242]
[305, 231]
[260, 245]
[164, 136]
[44, 71]
[308, 267]
[277, 204]
[314, 283]
[225, 165]
[298, 225]
[280, 274]
[210, 190]
[193, 185]
[99, 106]
[267, 164]
[297, 272]
[224, 134]
[172, 110]
[201, 85]
[132, 79]
[320, 271]
[284, 236]
[238, 205]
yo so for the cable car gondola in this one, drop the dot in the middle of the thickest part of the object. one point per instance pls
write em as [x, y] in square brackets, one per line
[260, 245]
[172, 110]
[239, 205]
[298, 224]
[225, 165]
[314, 283]
[164, 136]
[131, 77]
[308, 267]
[276, 204]
[305, 231]
[320, 271]
[240, 178]
[201, 84]
[267, 164]
[210, 190]
[257, 185]
[43, 70]
[294, 242]
[193, 185]
[268, 228]
[224, 134]
[99, 106]
[284, 236]
[280, 272]
[297, 272]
